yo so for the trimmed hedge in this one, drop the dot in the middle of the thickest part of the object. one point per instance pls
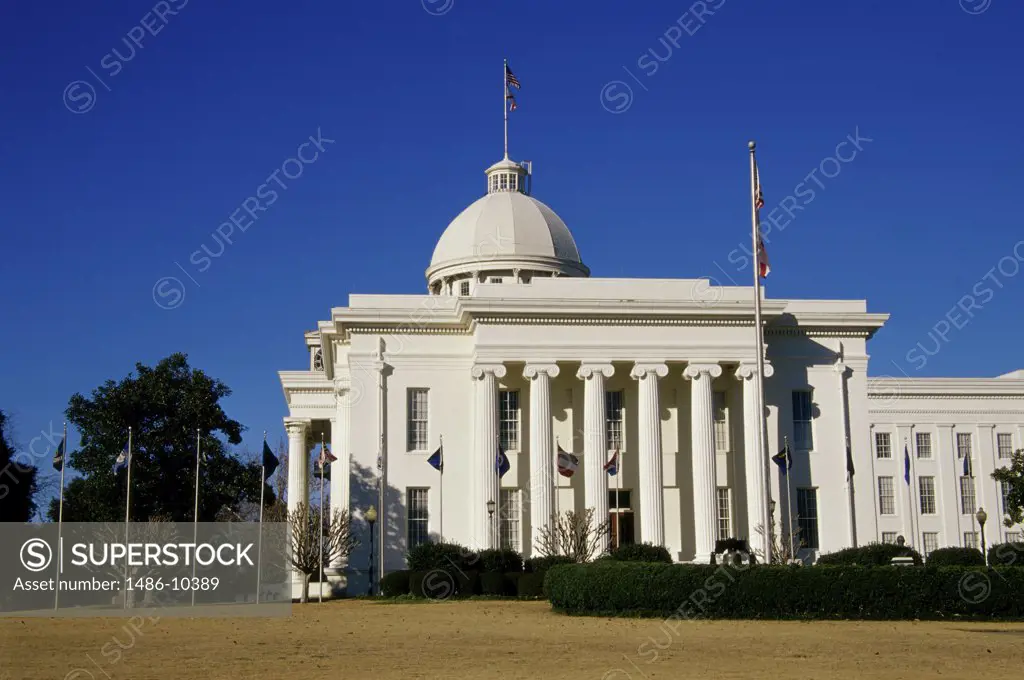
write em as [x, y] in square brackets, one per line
[530, 584]
[1006, 555]
[872, 554]
[956, 557]
[768, 592]
[539, 565]
[641, 552]
[395, 583]
[497, 583]
[499, 560]
[427, 556]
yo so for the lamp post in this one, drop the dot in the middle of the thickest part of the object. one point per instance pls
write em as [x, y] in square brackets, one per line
[371, 517]
[490, 519]
[982, 516]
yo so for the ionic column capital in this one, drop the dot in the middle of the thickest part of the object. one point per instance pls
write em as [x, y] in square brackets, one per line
[480, 370]
[748, 370]
[588, 370]
[696, 371]
[533, 368]
[297, 427]
[641, 370]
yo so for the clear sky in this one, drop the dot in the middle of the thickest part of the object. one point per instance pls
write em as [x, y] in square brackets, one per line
[118, 166]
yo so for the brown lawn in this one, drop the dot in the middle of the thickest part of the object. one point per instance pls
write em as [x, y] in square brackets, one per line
[496, 640]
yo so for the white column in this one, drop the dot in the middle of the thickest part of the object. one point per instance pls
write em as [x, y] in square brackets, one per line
[298, 462]
[705, 484]
[485, 451]
[341, 469]
[755, 460]
[541, 449]
[595, 447]
[652, 503]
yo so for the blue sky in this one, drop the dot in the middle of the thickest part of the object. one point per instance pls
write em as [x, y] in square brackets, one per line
[118, 166]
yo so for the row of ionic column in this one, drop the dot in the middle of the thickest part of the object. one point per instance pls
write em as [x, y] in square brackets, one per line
[595, 452]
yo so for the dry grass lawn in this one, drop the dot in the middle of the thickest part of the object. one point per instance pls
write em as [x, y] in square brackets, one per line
[477, 639]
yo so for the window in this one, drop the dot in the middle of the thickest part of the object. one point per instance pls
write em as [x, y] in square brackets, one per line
[1013, 537]
[924, 445]
[509, 519]
[888, 537]
[971, 539]
[724, 514]
[496, 279]
[926, 491]
[930, 542]
[967, 506]
[963, 444]
[1004, 442]
[416, 428]
[464, 288]
[416, 530]
[883, 445]
[620, 523]
[623, 502]
[803, 438]
[1004, 488]
[509, 420]
[886, 496]
[807, 517]
[721, 424]
[613, 414]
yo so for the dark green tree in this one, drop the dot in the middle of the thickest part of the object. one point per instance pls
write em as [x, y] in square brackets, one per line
[164, 405]
[1014, 477]
[17, 481]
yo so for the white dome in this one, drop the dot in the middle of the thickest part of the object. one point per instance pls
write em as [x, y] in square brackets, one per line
[506, 229]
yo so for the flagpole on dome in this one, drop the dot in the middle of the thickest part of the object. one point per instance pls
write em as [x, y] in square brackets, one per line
[758, 248]
[195, 517]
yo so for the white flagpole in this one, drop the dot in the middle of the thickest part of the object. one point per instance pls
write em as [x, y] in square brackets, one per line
[323, 468]
[554, 505]
[618, 491]
[766, 518]
[195, 521]
[259, 542]
[127, 512]
[60, 513]
[440, 498]
[789, 494]
[504, 102]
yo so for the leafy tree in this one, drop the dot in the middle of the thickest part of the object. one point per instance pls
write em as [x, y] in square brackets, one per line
[1014, 477]
[164, 405]
[17, 481]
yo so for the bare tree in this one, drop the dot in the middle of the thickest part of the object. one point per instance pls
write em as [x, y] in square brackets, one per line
[574, 535]
[785, 546]
[304, 551]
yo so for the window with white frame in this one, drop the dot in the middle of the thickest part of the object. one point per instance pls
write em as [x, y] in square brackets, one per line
[464, 288]
[510, 516]
[971, 539]
[721, 423]
[417, 518]
[416, 427]
[1004, 443]
[924, 444]
[807, 517]
[724, 513]
[888, 537]
[613, 420]
[508, 420]
[883, 445]
[886, 496]
[1013, 537]
[926, 492]
[963, 444]
[967, 505]
[803, 437]
[929, 542]
[1004, 488]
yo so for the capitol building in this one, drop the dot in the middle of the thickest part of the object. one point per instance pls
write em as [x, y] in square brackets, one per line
[515, 352]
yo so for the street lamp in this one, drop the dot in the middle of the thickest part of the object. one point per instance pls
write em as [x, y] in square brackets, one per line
[490, 519]
[982, 516]
[371, 517]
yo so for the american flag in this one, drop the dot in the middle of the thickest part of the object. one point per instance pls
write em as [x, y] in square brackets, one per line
[512, 102]
[326, 457]
[759, 202]
[510, 78]
[762, 259]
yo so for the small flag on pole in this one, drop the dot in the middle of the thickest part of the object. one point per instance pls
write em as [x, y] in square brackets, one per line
[501, 464]
[906, 464]
[612, 466]
[436, 459]
[123, 460]
[784, 459]
[567, 463]
[325, 457]
[762, 254]
[58, 456]
[510, 78]
[270, 461]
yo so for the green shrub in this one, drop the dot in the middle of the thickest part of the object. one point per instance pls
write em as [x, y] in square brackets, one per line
[641, 552]
[539, 565]
[436, 584]
[1006, 555]
[499, 560]
[530, 584]
[956, 557]
[427, 556]
[496, 583]
[870, 555]
[395, 583]
[467, 583]
[768, 592]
